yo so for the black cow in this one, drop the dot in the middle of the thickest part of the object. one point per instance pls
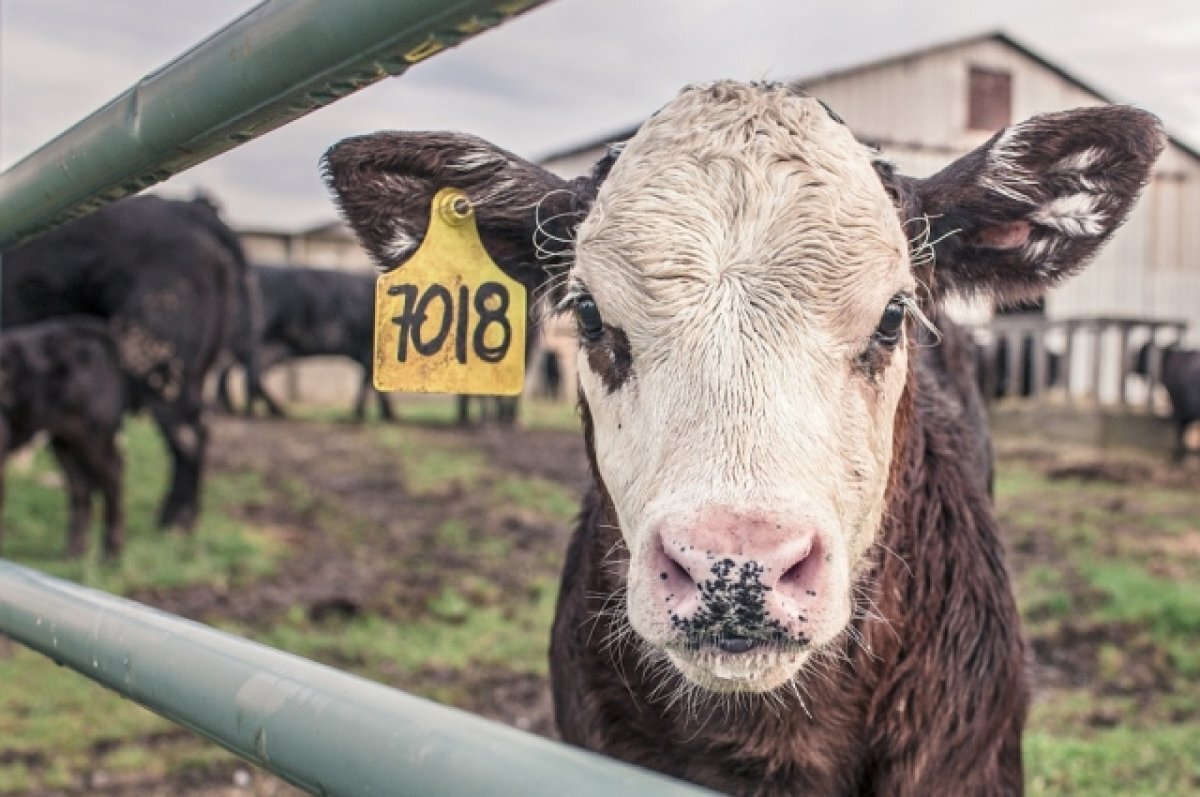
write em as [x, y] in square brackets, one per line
[1181, 378]
[164, 272]
[309, 312]
[64, 377]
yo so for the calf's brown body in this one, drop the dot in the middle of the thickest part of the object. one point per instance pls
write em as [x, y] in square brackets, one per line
[932, 701]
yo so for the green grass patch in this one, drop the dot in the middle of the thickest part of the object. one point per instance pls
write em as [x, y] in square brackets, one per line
[1115, 762]
[77, 726]
[514, 637]
[1107, 561]
[546, 414]
[220, 551]
[1167, 608]
[539, 495]
[50, 708]
[60, 714]
[430, 466]
[1041, 594]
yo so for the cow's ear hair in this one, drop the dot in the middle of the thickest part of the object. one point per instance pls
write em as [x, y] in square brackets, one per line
[385, 183]
[1033, 204]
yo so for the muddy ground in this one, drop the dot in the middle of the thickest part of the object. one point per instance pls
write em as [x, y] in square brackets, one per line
[355, 528]
[352, 479]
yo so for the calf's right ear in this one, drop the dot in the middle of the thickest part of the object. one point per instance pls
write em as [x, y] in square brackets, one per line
[1031, 206]
[385, 183]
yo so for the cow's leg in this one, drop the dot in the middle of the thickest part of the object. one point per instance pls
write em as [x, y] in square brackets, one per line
[506, 410]
[274, 408]
[3, 461]
[107, 467]
[385, 405]
[360, 400]
[79, 494]
[269, 357]
[464, 410]
[1180, 452]
[187, 438]
[224, 402]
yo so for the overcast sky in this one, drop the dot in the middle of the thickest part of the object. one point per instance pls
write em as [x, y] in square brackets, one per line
[568, 72]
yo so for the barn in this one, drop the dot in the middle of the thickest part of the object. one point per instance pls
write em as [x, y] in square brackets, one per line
[922, 109]
[926, 107]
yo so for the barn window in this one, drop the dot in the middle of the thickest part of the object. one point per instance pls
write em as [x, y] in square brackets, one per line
[989, 99]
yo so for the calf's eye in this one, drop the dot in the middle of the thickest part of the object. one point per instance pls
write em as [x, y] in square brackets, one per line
[591, 325]
[891, 323]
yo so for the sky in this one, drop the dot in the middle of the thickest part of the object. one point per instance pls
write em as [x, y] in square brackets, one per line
[568, 72]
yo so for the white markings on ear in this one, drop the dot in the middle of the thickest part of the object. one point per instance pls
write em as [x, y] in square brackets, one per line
[1006, 176]
[1040, 251]
[1075, 215]
[1078, 162]
[400, 246]
[478, 158]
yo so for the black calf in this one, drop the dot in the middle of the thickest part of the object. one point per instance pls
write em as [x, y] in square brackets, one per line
[64, 377]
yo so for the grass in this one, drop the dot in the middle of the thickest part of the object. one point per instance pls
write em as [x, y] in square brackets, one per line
[454, 636]
[1116, 761]
[57, 727]
[59, 715]
[430, 468]
[1115, 564]
[541, 496]
[1099, 572]
[1167, 608]
[221, 551]
[441, 410]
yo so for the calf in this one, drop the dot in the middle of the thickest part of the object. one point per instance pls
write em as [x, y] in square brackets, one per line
[309, 312]
[1181, 378]
[64, 377]
[164, 273]
[787, 576]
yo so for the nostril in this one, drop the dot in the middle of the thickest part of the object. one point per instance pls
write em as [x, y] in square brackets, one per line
[793, 572]
[673, 570]
[801, 570]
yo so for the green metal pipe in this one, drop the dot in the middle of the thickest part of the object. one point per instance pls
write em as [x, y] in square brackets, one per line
[323, 730]
[281, 60]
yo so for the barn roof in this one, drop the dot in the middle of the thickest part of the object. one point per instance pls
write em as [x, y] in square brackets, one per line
[998, 36]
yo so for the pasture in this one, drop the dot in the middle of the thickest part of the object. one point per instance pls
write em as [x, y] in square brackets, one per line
[427, 557]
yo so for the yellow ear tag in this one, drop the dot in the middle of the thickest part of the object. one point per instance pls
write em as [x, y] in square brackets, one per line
[449, 320]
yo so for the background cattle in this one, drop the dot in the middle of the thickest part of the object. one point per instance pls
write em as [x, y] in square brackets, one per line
[992, 369]
[164, 274]
[1181, 377]
[307, 312]
[64, 377]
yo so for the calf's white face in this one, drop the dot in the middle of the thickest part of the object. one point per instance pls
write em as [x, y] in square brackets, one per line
[741, 276]
[742, 254]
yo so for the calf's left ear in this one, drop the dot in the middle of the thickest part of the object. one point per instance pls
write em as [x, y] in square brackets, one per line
[1032, 205]
[385, 184]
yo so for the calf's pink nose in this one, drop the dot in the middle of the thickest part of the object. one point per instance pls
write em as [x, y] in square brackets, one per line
[738, 573]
